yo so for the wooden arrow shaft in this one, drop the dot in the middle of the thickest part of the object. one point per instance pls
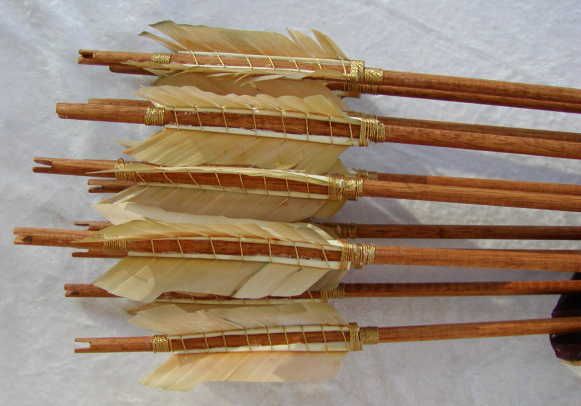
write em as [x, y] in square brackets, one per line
[448, 231]
[358, 290]
[414, 126]
[544, 260]
[406, 190]
[428, 188]
[88, 167]
[423, 93]
[429, 231]
[419, 132]
[386, 335]
[462, 96]
[396, 83]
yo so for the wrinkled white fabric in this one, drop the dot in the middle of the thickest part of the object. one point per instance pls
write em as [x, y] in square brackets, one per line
[531, 41]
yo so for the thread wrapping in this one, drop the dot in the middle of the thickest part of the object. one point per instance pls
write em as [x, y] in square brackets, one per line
[357, 255]
[154, 116]
[162, 59]
[333, 293]
[345, 188]
[161, 344]
[371, 129]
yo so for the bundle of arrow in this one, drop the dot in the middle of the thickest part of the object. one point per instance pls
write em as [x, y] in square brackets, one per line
[213, 225]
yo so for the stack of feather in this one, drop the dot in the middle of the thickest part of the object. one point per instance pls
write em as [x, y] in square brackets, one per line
[214, 220]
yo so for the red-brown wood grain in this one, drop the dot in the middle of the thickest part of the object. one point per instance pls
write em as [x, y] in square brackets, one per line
[358, 290]
[386, 335]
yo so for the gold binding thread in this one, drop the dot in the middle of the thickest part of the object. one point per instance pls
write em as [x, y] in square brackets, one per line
[122, 172]
[358, 255]
[371, 129]
[356, 71]
[369, 335]
[354, 339]
[362, 79]
[154, 116]
[372, 75]
[161, 344]
[333, 293]
[115, 244]
[161, 58]
[342, 187]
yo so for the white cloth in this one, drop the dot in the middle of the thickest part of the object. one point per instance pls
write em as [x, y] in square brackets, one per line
[530, 41]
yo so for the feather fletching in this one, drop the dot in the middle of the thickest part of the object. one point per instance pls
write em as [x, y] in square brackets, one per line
[188, 146]
[217, 227]
[142, 200]
[178, 147]
[191, 97]
[184, 371]
[177, 318]
[224, 84]
[208, 39]
[145, 278]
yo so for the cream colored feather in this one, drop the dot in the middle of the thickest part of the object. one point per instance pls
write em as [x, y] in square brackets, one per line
[208, 39]
[134, 168]
[224, 201]
[224, 84]
[270, 46]
[178, 147]
[184, 371]
[145, 278]
[180, 319]
[263, 149]
[191, 97]
[217, 227]
[142, 200]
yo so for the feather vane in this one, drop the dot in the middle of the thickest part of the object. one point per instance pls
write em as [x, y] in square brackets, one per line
[184, 371]
[144, 276]
[208, 39]
[295, 363]
[142, 201]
